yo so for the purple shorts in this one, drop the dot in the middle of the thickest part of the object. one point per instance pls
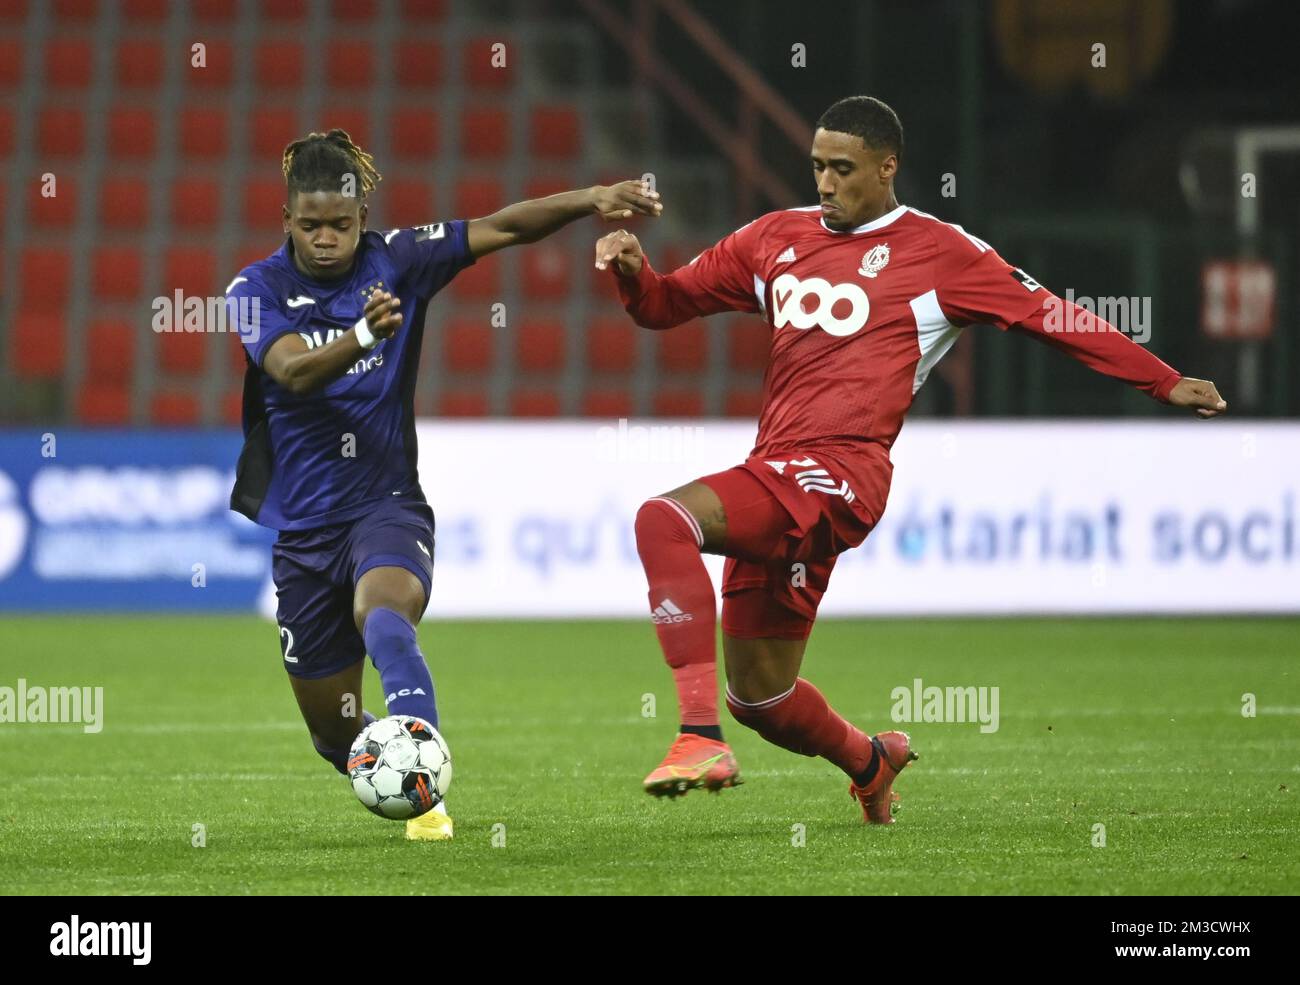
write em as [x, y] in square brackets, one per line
[316, 571]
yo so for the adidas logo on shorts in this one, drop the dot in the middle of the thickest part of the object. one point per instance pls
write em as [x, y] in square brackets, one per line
[665, 611]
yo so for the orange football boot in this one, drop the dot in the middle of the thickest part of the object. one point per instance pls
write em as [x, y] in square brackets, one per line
[693, 761]
[878, 797]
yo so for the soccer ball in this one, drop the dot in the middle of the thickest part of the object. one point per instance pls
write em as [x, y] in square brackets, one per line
[400, 767]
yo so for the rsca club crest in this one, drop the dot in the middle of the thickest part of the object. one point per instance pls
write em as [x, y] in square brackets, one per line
[368, 291]
[874, 260]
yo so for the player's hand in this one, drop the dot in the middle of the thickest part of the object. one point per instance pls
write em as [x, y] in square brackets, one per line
[628, 198]
[1201, 394]
[621, 249]
[382, 317]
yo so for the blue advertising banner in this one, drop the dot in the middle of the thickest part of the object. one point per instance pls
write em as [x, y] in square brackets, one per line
[99, 520]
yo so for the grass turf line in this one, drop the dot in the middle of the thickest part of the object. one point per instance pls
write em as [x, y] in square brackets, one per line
[1131, 723]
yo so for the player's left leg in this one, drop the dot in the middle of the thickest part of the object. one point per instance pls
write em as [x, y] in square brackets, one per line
[763, 645]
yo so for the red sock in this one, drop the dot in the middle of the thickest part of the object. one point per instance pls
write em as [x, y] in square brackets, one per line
[800, 720]
[682, 604]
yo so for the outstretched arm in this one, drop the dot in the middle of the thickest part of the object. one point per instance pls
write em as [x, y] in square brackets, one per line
[1099, 345]
[719, 279]
[527, 222]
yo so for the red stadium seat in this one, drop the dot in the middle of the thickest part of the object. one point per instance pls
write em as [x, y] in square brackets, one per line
[548, 271]
[542, 187]
[355, 121]
[124, 203]
[361, 11]
[467, 346]
[43, 279]
[482, 282]
[349, 64]
[192, 270]
[12, 12]
[424, 10]
[185, 352]
[678, 403]
[218, 68]
[414, 135]
[232, 406]
[118, 274]
[273, 130]
[174, 409]
[279, 64]
[555, 132]
[749, 342]
[419, 65]
[60, 132]
[39, 349]
[75, 11]
[6, 132]
[103, 404]
[481, 63]
[539, 346]
[249, 253]
[131, 134]
[142, 11]
[485, 134]
[204, 133]
[214, 11]
[478, 197]
[607, 403]
[611, 345]
[139, 64]
[743, 402]
[11, 63]
[683, 349]
[534, 403]
[409, 202]
[264, 201]
[196, 203]
[58, 211]
[110, 351]
[69, 63]
[463, 403]
[286, 11]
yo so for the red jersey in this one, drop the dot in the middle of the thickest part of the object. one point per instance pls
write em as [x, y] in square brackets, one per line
[859, 319]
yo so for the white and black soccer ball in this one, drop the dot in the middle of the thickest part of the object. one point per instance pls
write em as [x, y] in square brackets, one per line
[400, 767]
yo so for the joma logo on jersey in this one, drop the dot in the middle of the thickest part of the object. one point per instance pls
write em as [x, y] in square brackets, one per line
[839, 309]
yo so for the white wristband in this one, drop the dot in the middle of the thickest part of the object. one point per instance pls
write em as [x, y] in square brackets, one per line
[365, 338]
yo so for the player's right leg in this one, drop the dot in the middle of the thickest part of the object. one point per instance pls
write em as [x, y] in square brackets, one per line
[323, 652]
[672, 531]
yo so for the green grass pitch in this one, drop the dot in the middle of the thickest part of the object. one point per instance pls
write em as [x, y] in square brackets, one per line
[1135, 724]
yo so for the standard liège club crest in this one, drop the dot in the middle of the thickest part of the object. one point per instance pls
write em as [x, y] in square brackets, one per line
[874, 260]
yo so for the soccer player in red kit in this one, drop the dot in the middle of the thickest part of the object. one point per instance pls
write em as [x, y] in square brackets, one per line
[863, 296]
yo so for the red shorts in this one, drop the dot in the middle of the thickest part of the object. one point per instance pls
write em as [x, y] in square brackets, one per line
[788, 519]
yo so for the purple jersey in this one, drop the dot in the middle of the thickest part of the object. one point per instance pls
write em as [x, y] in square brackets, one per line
[327, 457]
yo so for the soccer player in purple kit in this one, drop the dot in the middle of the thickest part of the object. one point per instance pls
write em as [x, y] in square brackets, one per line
[331, 325]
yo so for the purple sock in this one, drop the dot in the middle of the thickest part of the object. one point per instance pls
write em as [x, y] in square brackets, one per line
[338, 758]
[408, 686]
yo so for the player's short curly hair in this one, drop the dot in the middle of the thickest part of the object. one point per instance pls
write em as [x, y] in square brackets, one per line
[319, 161]
[866, 117]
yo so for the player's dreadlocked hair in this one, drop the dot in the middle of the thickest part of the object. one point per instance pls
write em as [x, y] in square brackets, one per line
[868, 118]
[318, 162]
